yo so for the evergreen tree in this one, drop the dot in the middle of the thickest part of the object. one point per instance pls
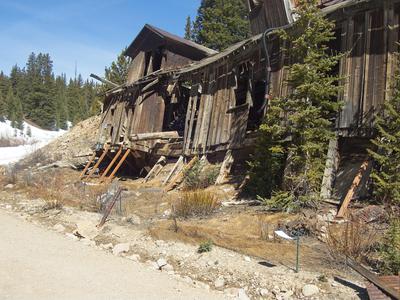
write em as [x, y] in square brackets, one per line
[188, 28]
[386, 175]
[118, 70]
[293, 149]
[221, 23]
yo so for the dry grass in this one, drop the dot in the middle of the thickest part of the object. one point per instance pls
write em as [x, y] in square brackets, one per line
[355, 239]
[195, 203]
[58, 188]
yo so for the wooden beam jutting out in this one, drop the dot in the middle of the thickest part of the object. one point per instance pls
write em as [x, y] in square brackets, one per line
[109, 178]
[350, 193]
[106, 148]
[88, 165]
[154, 136]
[111, 164]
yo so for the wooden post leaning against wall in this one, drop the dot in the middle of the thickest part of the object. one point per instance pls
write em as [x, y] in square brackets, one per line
[103, 155]
[111, 164]
[109, 178]
[88, 165]
[225, 168]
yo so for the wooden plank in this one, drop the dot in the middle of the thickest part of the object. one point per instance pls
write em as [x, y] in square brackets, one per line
[110, 165]
[154, 136]
[225, 168]
[178, 178]
[156, 168]
[106, 148]
[88, 165]
[350, 193]
[194, 96]
[373, 278]
[109, 178]
[176, 166]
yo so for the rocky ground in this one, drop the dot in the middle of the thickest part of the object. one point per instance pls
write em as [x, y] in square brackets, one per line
[233, 274]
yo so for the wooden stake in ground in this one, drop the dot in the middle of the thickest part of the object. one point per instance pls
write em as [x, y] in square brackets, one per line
[350, 193]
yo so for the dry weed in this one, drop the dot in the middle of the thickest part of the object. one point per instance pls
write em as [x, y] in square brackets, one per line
[355, 238]
[195, 203]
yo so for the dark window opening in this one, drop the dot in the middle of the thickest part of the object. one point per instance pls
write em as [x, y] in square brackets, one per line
[256, 113]
[175, 113]
[241, 90]
[157, 59]
[147, 63]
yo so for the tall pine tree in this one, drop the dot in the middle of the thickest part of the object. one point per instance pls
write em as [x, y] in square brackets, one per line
[297, 130]
[221, 23]
[386, 175]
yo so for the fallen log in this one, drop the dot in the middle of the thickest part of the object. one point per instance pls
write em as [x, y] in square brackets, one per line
[154, 136]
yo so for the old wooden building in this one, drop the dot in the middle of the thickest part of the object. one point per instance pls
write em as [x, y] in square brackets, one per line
[182, 99]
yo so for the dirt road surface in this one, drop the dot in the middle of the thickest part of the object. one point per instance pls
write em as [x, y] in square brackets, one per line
[40, 264]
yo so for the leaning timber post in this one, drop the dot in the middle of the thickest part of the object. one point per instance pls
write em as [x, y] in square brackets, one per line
[331, 167]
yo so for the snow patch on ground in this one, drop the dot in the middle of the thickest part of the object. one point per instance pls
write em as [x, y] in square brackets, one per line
[37, 139]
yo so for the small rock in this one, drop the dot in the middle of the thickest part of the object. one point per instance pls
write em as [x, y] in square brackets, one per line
[264, 292]
[59, 228]
[232, 292]
[187, 279]
[108, 246]
[88, 242]
[309, 290]
[161, 262]
[159, 243]
[288, 295]
[242, 295]
[8, 207]
[9, 186]
[134, 220]
[134, 257]
[248, 259]
[72, 236]
[167, 268]
[219, 282]
[121, 248]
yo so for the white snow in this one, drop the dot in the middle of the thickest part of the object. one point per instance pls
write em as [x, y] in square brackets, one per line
[28, 144]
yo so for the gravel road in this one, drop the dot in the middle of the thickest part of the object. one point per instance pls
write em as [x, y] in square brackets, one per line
[39, 264]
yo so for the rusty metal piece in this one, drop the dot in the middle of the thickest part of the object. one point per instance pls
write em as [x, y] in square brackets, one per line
[110, 207]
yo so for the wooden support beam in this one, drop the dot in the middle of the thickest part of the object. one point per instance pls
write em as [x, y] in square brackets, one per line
[111, 164]
[88, 165]
[350, 193]
[225, 167]
[154, 136]
[109, 178]
[156, 168]
[180, 175]
[106, 148]
[177, 164]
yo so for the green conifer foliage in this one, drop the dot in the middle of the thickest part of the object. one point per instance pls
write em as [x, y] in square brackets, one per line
[188, 28]
[386, 175]
[221, 23]
[295, 135]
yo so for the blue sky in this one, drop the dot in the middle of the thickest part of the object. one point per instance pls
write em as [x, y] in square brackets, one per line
[88, 32]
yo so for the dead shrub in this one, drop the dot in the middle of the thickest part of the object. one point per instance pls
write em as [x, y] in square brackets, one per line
[11, 174]
[195, 203]
[11, 142]
[354, 239]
